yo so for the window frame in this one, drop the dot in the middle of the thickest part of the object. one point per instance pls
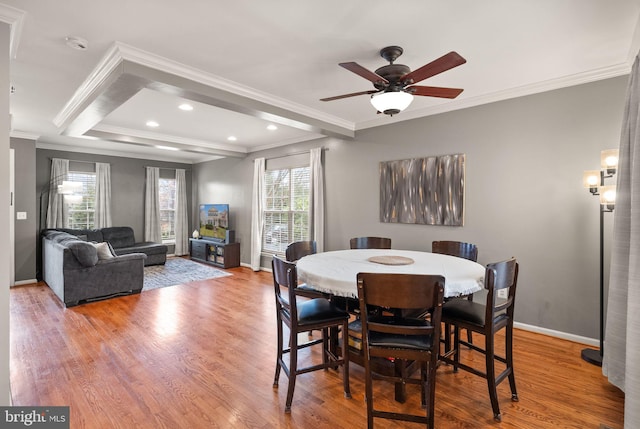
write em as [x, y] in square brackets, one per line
[169, 239]
[291, 214]
[88, 200]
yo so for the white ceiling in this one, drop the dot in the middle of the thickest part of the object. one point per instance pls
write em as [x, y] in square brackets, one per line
[246, 64]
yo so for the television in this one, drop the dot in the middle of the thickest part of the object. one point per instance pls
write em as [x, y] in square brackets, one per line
[214, 222]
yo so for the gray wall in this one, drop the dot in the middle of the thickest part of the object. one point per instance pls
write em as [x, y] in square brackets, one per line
[524, 197]
[26, 231]
[5, 248]
[127, 185]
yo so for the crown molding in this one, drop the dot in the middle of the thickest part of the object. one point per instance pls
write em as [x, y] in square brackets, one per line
[148, 59]
[157, 156]
[549, 85]
[17, 134]
[15, 18]
[167, 138]
[98, 77]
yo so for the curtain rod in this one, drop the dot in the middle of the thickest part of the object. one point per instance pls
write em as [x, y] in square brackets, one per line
[77, 160]
[295, 153]
[166, 168]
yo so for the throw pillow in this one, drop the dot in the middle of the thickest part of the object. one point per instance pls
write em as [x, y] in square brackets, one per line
[84, 252]
[104, 250]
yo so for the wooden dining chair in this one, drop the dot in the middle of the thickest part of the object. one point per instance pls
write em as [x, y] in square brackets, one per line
[461, 250]
[370, 243]
[313, 314]
[487, 319]
[390, 335]
[297, 250]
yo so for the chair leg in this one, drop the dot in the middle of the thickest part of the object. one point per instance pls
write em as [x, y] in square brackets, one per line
[293, 369]
[431, 379]
[509, 357]
[368, 397]
[447, 338]
[325, 346]
[423, 384]
[279, 357]
[456, 347]
[345, 365]
[491, 376]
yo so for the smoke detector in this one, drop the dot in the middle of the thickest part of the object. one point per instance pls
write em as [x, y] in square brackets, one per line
[77, 43]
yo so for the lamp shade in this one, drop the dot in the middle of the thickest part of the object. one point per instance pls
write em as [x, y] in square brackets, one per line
[607, 195]
[591, 179]
[392, 102]
[609, 159]
[69, 187]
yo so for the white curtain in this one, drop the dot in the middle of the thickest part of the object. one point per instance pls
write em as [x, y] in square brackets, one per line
[182, 225]
[56, 209]
[103, 195]
[152, 206]
[317, 198]
[621, 362]
[256, 213]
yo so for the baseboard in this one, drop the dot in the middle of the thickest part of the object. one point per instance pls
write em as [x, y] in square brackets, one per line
[558, 334]
[25, 282]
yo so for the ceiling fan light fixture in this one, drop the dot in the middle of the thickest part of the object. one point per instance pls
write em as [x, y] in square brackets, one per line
[392, 102]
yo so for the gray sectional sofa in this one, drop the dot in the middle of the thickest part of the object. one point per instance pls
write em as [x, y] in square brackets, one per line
[78, 271]
[123, 242]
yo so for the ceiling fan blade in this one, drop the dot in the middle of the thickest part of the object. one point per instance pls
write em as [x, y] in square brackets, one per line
[338, 97]
[444, 63]
[363, 72]
[434, 91]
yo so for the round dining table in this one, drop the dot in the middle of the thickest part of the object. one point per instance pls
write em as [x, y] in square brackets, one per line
[335, 272]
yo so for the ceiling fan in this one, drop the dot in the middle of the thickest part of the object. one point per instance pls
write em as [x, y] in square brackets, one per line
[394, 83]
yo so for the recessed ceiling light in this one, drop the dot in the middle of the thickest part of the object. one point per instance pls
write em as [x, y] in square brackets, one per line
[167, 148]
[271, 127]
[232, 138]
[186, 107]
[76, 43]
[152, 124]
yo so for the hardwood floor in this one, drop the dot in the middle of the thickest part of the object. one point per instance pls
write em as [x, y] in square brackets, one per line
[203, 354]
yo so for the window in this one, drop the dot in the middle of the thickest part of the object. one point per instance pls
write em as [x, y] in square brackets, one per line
[81, 205]
[167, 197]
[286, 208]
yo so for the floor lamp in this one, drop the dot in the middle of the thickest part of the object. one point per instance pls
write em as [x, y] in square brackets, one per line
[595, 181]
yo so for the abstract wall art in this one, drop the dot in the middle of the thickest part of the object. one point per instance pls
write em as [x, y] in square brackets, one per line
[428, 191]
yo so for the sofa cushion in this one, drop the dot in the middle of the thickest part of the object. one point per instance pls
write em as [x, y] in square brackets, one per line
[85, 252]
[119, 236]
[104, 250]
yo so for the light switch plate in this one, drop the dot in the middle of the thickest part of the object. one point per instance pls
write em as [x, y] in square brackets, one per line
[21, 215]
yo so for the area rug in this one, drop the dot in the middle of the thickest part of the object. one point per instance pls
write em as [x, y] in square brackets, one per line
[178, 271]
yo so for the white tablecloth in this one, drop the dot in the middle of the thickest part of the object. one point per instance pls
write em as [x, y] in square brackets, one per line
[335, 272]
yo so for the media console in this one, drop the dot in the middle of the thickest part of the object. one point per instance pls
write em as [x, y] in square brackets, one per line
[225, 255]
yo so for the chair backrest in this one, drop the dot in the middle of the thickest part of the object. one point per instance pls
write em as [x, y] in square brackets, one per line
[456, 248]
[285, 276]
[298, 249]
[501, 275]
[370, 243]
[401, 292]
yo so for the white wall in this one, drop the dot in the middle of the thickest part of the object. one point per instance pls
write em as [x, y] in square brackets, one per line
[524, 197]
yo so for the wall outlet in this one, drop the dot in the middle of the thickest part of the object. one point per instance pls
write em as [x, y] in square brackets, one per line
[21, 215]
[503, 293]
